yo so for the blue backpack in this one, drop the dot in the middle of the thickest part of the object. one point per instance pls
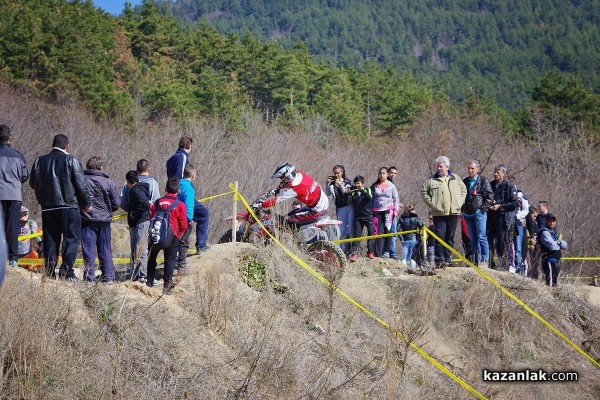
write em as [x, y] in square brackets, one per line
[161, 234]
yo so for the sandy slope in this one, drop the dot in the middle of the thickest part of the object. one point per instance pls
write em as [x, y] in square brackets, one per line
[204, 332]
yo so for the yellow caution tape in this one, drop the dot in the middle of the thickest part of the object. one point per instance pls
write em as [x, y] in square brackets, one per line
[383, 235]
[215, 196]
[30, 236]
[120, 216]
[40, 261]
[515, 298]
[337, 290]
[580, 258]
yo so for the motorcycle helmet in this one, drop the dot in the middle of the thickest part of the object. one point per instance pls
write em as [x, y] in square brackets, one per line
[286, 172]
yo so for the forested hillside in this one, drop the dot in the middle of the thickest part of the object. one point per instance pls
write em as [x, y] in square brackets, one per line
[146, 64]
[500, 49]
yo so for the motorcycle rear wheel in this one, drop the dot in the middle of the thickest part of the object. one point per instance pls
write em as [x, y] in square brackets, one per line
[331, 258]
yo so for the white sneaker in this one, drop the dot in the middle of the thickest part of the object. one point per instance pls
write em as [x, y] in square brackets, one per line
[483, 265]
[512, 269]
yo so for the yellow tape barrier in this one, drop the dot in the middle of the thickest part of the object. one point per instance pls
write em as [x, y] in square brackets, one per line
[216, 195]
[79, 261]
[383, 235]
[30, 236]
[119, 216]
[356, 304]
[513, 297]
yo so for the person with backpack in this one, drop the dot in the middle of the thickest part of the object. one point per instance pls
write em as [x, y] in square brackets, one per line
[168, 223]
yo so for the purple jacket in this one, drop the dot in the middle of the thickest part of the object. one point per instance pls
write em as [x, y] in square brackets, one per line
[104, 197]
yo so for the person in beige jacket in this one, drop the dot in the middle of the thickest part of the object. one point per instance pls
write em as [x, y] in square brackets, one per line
[444, 193]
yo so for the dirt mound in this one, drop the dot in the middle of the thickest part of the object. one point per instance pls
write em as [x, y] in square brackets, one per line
[218, 337]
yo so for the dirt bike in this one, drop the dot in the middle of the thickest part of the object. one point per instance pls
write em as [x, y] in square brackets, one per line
[248, 230]
[314, 239]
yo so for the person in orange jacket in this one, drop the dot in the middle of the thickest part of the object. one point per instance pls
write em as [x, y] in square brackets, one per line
[26, 248]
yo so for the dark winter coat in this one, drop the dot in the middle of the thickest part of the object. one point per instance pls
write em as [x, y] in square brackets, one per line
[176, 164]
[57, 179]
[479, 197]
[361, 201]
[104, 197]
[139, 204]
[409, 222]
[339, 193]
[505, 194]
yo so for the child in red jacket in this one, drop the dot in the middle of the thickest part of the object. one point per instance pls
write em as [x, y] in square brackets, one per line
[178, 221]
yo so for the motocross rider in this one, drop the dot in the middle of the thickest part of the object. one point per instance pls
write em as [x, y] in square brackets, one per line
[299, 185]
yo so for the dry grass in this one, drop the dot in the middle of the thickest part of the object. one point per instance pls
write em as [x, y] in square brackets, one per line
[219, 338]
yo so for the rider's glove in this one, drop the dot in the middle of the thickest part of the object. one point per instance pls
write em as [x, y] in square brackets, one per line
[266, 196]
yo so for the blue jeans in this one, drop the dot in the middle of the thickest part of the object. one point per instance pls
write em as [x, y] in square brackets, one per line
[476, 225]
[393, 238]
[407, 248]
[518, 240]
[346, 215]
[96, 238]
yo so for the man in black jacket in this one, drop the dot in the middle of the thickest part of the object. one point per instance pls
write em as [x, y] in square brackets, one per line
[501, 217]
[61, 190]
[138, 219]
[95, 225]
[477, 203]
[13, 172]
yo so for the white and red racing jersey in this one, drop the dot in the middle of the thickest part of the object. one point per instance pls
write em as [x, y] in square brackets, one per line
[304, 188]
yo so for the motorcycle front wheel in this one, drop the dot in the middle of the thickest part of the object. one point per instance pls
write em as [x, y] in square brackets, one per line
[331, 258]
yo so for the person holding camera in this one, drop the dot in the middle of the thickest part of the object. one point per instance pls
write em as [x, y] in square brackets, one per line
[337, 186]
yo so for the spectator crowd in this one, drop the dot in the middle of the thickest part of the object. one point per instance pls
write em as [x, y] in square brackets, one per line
[77, 210]
[499, 228]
